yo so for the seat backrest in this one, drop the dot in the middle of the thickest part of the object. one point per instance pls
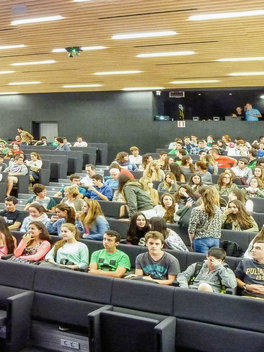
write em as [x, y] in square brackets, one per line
[17, 274]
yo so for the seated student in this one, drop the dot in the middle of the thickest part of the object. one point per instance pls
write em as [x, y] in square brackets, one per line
[7, 241]
[80, 143]
[177, 172]
[112, 181]
[147, 185]
[166, 209]
[135, 158]
[36, 213]
[12, 216]
[249, 272]
[259, 237]
[35, 164]
[16, 169]
[210, 163]
[222, 160]
[92, 220]
[110, 261]
[202, 169]
[34, 245]
[195, 182]
[172, 239]
[87, 181]
[255, 189]
[62, 145]
[74, 180]
[187, 164]
[242, 171]
[146, 159]
[156, 265]
[211, 276]
[42, 142]
[41, 198]
[72, 198]
[161, 160]
[185, 198]
[136, 198]
[236, 218]
[137, 229]
[169, 184]
[65, 214]
[240, 195]
[258, 172]
[154, 172]
[69, 252]
[99, 191]
[225, 184]
[122, 159]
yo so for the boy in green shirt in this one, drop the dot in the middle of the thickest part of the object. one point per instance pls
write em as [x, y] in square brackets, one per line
[110, 261]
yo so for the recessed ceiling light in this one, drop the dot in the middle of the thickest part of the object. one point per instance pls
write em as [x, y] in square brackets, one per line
[23, 83]
[82, 85]
[143, 88]
[84, 48]
[37, 20]
[260, 73]
[215, 16]
[6, 72]
[34, 63]
[196, 81]
[262, 97]
[116, 73]
[143, 35]
[4, 47]
[8, 93]
[81, 0]
[169, 53]
[257, 58]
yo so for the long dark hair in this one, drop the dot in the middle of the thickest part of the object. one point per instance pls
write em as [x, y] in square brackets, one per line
[134, 233]
[9, 239]
[159, 224]
[176, 170]
[44, 235]
[122, 180]
[70, 212]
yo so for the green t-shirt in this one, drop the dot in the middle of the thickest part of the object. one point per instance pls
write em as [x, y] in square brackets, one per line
[110, 261]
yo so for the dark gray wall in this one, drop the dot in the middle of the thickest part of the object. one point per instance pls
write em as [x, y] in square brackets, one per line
[120, 119]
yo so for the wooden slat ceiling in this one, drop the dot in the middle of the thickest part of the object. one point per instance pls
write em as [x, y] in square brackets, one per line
[94, 22]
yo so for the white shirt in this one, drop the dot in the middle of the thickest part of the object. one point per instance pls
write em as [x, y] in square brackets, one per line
[80, 144]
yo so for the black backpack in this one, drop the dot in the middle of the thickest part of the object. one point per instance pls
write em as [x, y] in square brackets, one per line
[232, 248]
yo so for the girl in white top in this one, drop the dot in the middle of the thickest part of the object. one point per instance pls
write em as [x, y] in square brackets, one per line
[166, 209]
[68, 252]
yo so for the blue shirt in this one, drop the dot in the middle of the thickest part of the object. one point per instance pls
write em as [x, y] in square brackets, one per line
[105, 190]
[250, 117]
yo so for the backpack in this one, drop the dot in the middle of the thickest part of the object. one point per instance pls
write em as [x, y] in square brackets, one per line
[198, 267]
[232, 248]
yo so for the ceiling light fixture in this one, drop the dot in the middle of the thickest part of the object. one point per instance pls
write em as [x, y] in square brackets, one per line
[116, 73]
[5, 47]
[83, 48]
[8, 93]
[23, 83]
[215, 16]
[143, 35]
[260, 73]
[45, 62]
[234, 59]
[6, 72]
[82, 85]
[262, 97]
[195, 81]
[143, 88]
[81, 0]
[169, 53]
[37, 20]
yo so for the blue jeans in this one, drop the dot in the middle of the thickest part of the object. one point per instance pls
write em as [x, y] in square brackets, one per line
[202, 245]
[97, 237]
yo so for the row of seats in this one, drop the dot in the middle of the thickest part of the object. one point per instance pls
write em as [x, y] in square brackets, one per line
[174, 318]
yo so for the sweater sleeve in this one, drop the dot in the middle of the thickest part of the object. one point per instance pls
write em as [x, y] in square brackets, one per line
[131, 199]
[41, 252]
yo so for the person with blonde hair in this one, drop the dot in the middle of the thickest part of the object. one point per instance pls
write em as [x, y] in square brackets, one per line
[72, 198]
[69, 252]
[236, 218]
[206, 221]
[154, 172]
[35, 164]
[147, 185]
[92, 220]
